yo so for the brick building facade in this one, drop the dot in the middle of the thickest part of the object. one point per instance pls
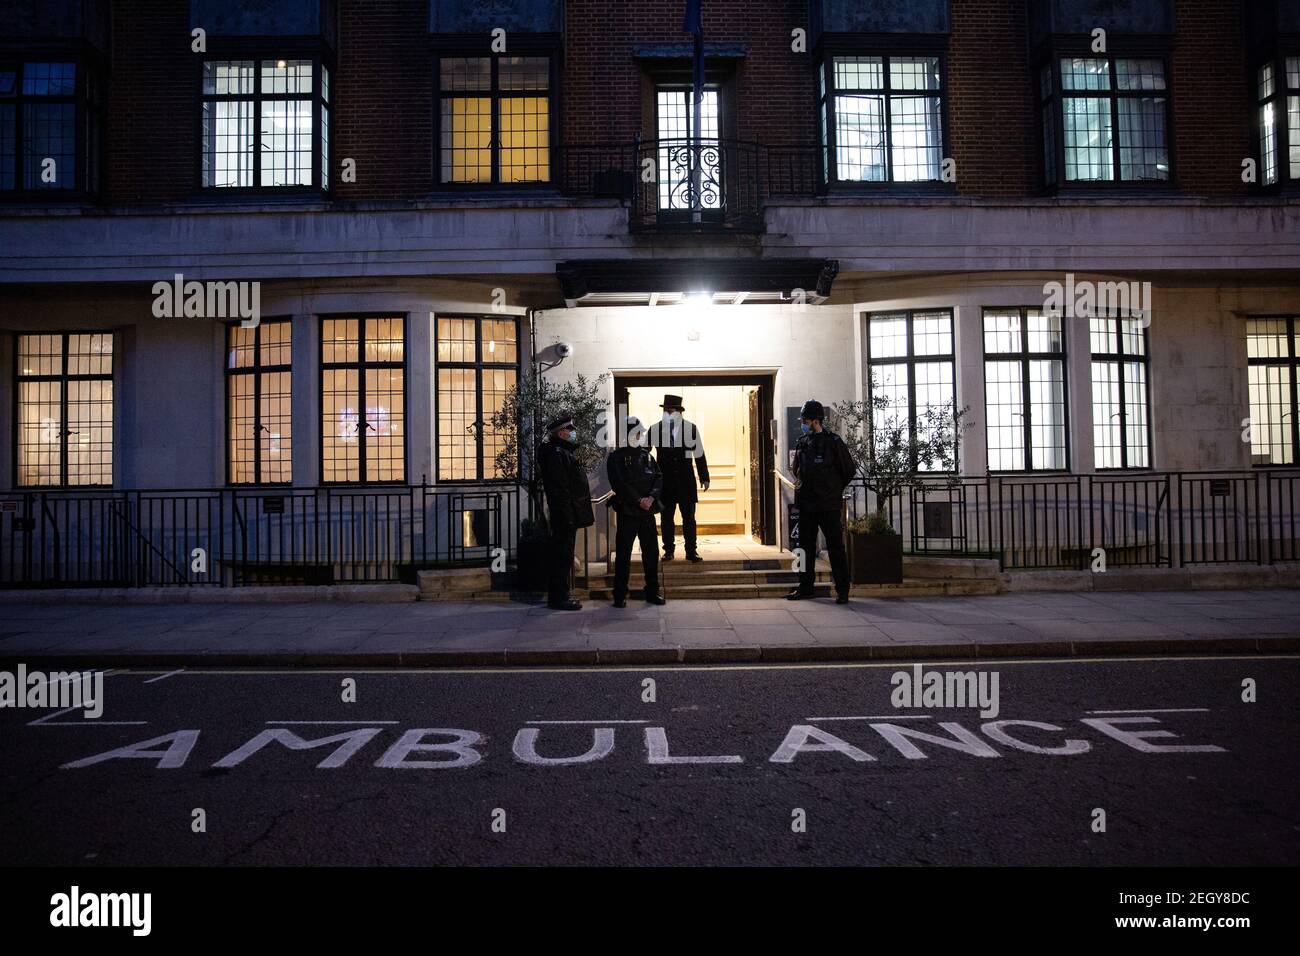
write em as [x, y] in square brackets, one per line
[428, 207]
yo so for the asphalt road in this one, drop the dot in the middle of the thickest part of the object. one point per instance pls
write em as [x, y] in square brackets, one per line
[1231, 798]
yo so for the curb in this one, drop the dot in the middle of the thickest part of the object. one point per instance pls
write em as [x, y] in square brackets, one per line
[717, 654]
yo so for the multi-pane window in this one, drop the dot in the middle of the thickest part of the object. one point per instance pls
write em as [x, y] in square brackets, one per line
[495, 119]
[265, 124]
[1104, 120]
[882, 118]
[48, 127]
[65, 409]
[363, 399]
[679, 153]
[1121, 426]
[1274, 416]
[478, 365]
[1024, 390]
[1277, 91]
[910, 355]
[259, 413]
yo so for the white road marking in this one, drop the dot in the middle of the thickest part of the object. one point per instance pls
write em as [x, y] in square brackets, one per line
[1156, 710]
[49, 721]
[602, 723]
[154, 680]
[687, 668]
[876, 717]
[308, 723]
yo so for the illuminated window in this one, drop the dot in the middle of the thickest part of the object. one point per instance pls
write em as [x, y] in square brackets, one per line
[1104, 120]
[259, 413]
[363, 399]
[478, 365]
[65, 409]
[49, 127]
[265, 124]
[1024, 390]
[1121, 416]
[1277, 95]
[495, 119]
[1274, 425]
[882, 118]
[911, 360]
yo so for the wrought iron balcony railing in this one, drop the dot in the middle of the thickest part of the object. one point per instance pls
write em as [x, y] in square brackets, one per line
[684, 184]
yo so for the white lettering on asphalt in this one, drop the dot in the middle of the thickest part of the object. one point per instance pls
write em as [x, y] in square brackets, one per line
[1135, 738]
[182, 742]
[350, 741]
[525, 748]
[463, 746]
[965, 741]
[796, 742]
[656, 751]
[994, 730]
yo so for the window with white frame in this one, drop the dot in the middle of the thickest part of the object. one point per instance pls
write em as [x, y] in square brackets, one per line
[1274, 424]
[911, 358]
[1121, 415]
[265, 124]
[881, 118]
[1024, 390]
[1277, 92]
[65, 409]
[259, 403]
[1105, 120]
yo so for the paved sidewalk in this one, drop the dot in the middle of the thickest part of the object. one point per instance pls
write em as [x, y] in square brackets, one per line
[421, 633]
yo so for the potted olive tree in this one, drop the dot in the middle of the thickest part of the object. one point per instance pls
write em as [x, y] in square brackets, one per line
[520, 422]
[893, 452]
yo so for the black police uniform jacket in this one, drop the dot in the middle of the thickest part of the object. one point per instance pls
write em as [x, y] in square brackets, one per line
[680, 462]
[568, 495]
[634, 475]
[823, 468]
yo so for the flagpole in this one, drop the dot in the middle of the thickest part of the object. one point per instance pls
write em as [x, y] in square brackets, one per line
[695, 25]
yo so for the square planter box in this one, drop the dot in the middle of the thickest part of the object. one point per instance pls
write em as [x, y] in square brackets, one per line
[876, 558]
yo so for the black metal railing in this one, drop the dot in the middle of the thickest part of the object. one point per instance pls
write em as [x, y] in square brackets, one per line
[1164, 519]
[685, 184]
[232, 536]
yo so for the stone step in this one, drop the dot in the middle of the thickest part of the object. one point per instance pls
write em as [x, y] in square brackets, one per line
[699, 577]
[956, 568]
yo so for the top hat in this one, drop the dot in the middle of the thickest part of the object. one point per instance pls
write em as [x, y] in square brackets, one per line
[673, 401]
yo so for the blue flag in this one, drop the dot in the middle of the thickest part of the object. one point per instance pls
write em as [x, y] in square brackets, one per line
[693, 22]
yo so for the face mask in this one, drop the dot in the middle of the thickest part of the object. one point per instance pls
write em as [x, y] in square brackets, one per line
[675, 416]
[805, 428]
[573, 434]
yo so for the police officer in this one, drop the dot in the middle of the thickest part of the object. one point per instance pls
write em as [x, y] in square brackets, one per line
[823, 468]
[638, 494]
[680, 453]
[568, 499]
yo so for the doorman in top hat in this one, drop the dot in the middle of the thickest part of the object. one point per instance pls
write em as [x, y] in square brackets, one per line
[638, 492]
[823, 468]
[680, 452]
[568, 502]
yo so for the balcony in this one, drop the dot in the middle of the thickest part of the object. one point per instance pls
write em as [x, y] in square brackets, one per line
[690, 186]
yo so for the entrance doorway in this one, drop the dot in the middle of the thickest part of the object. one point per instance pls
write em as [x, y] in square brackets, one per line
[734, 416]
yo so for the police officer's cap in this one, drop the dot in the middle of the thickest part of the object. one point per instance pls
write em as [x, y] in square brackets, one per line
[562, 420]
[812, 410]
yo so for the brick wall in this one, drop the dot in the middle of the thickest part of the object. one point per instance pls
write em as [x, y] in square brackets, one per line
[149, 121]
[1211, 108]
[992, 133]
[383, 88]
[383, 115]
